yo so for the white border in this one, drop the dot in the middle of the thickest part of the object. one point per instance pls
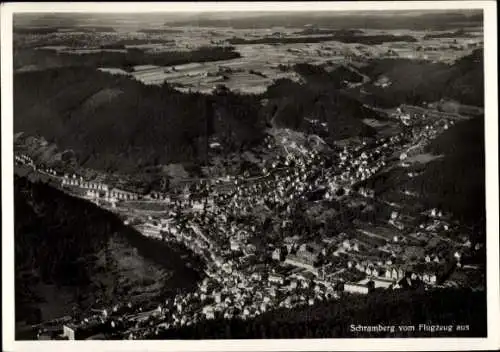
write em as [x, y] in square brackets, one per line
[413, 344]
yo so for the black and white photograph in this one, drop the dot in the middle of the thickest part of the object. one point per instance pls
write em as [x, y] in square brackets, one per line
[207, 173]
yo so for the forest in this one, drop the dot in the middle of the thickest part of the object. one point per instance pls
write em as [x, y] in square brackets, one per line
[321, 98]
[455, 34]
[49, 29]
[55, 241]
[52, 236]
[456, 183]
[314, 31]
[132, 57]
[327, 19]
[58, 238]
[158, 125]
[417, 81]
[160, 31]
[340, 37]
[333, 319]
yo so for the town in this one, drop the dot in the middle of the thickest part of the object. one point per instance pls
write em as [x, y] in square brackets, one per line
[265, 236]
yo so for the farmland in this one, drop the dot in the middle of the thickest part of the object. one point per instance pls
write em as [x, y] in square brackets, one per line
[244, 60]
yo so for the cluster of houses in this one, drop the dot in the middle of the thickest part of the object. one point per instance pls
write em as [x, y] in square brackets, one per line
[238, 283]
[358, 164]
[97, 189]
[24, 159]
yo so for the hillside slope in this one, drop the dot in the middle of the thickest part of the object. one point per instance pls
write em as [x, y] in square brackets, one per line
[115, 123]
[456, 182]
[415, 82]
[320, 98]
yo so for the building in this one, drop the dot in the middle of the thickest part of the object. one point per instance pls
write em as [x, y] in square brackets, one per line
[276, 278]
[76, 182]
[218, 297]
[95, 186]
[290, 242]
[199, 206]
[92, 193]
[81, 332]
[234, 244]
[150, 230]
[363, 289]
[277, 254]
[346, 244]
[121, 194]
[380, 282]
[429, 278]
[395, 273]
[209, 312]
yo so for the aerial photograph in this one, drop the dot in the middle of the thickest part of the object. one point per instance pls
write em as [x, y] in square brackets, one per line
[249, 175]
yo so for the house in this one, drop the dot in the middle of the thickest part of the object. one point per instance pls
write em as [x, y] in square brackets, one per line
[234, 244]
[256, 276]
[81, 332]
[71, 181]
[360, 267]
[70, 331]
[380, 282]
[121, 194]
[217, 297]
[226, 267]
[394, 273]
[95, 186]
[198, 206]
[276, 278]
[209, 312]
[92, 194]
[346, 244]
[277, 254]
[429, 278]
[149, 230]
[249, 249]
[355, 247]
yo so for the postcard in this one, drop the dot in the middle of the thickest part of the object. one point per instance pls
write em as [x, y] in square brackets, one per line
[250, 176]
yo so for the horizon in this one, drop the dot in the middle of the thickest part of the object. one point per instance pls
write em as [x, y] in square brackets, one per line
[43, 18]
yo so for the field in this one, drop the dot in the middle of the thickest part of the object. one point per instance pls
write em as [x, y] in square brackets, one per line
[253, 72]
[252, 67]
